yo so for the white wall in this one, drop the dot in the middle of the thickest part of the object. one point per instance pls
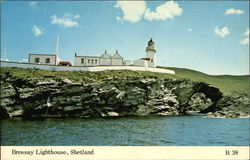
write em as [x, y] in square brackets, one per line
[150, 64]
[42, 59]
[116, 61]
[140, 63]
[100, 61]
[152, 55]
[127, 62]
[87, 61]
[105, 61]
[91, 69]
[28, 65]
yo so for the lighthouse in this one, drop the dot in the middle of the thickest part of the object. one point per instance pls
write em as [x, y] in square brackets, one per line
[151, 53]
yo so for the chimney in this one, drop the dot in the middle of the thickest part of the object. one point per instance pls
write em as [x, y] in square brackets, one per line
[57, 46]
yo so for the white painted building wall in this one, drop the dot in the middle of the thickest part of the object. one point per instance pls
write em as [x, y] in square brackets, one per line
[91, 69]
[86, 61]
[127, 62]
[150, 64]
[144, 63]
[141, 63]
[105, 61]
[116, 61]
[50, 59]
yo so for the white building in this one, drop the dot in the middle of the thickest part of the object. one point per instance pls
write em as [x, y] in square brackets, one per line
[86, 60]
[116, 59]
[150, 60]
[127, 63]
[49, 59]
[104, 60]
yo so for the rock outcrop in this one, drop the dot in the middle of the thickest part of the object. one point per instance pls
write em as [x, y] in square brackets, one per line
[111, 97]
[236, 105]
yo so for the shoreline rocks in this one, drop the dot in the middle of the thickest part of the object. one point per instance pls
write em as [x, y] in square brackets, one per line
[234, 106]
[29, 98]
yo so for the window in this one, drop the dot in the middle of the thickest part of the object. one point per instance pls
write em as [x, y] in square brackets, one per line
[82, 60]
[96, 61]
[37, 60]
[92, 61]
[47, 60]
[151, 60]
[88, 60]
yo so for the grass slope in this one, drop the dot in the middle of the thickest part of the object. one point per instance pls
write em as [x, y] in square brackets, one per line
[227, 84]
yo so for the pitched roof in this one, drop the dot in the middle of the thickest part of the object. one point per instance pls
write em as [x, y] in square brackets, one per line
[105, 55]
[117, 55]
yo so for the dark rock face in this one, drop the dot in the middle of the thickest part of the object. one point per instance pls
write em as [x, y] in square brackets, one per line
[191, 94]
[237, 105]
[199, 102]
[122, 97]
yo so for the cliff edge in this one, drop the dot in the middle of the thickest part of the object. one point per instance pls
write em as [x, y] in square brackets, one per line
[50, 95]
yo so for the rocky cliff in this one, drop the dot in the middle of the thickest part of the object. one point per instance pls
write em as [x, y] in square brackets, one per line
[134, 96]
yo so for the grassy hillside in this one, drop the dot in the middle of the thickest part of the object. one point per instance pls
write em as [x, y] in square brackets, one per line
[227, 84]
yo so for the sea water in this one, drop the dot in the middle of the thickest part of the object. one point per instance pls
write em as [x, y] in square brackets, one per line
[123, 131]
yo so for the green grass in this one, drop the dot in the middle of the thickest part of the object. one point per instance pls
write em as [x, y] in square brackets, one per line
[227, 84]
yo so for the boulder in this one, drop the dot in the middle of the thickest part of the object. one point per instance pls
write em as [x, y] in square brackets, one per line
[7, 101]
[113, 114]
[7, 91]
[66, 81]
[46, 83]
[17, 113]
[26, 92]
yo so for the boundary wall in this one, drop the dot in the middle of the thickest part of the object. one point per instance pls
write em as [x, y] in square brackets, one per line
[80, 68]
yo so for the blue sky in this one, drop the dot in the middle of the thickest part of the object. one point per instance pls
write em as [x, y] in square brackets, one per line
[208, 36]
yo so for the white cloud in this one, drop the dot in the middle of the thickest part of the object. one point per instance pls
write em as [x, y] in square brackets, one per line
[36, 31]
[76, 16]
[132, 10]
[67, 21]
[245, 41]
[222, 32]
[165, 11]
[119, 19]
[190, 30]
[33, 4]
[233, 11]
[247, 32]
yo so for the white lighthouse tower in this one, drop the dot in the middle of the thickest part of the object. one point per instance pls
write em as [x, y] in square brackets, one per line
[151, 53]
